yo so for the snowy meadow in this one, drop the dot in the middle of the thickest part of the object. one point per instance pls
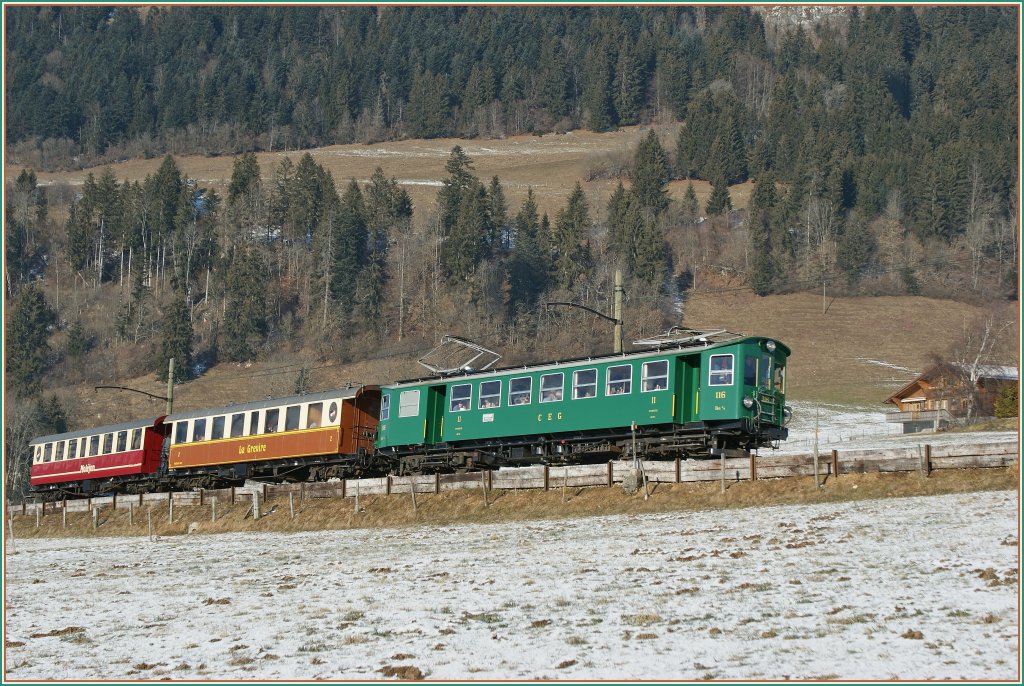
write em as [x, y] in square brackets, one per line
[910, 589]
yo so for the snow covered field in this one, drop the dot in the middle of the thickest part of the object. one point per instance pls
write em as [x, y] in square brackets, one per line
[910, 589]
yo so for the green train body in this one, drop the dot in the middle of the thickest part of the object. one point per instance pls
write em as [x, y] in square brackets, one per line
[680, 401]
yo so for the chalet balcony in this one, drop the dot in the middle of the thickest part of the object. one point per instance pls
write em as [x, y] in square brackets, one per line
[919, 416]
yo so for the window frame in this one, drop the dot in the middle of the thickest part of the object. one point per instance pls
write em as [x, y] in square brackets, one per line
[217, 432]
[198, 430]
[645, 379]
[468, 399]
[239, 419]
[254, 423]
[561, 387]
[576, 385]
[495, 396]
[731, 370]
[58, 451]
[609, 381]
[271, 419]
[385, 407]
[48, 452]
[94, 445]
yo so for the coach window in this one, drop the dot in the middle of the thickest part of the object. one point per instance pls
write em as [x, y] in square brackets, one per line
[720, 370]
[254, 423]
[72, 449]
[122, 441]
[654, 376]
[520, 390]
[94, 445]
[551, 388]
[58, 454]
[385, 407]
[620, 380]
[314, 415]
[409, 403]
[217, 428]
[47, 452]
[199, 430]
[271, 422]
[237, 424]
[490, 394]
[291, 418]
[462, 397]
[584, 384]
[108, 443]
[136, 439]
[180, 432]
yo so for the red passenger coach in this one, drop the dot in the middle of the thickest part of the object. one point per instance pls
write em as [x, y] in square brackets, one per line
[106, 458]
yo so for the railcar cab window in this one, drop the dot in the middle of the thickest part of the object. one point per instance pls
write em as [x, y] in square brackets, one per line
[654, 376]
[584, 384]
[217, 428]
[408, 404]
[314, 415]
[620, 380]
[270, 425]
[780, 378]
[520, 390]
[291, 418]
[462, 397]
[136, 439]
[720, 370]
[551, 388]
[490, 394]
[750, 370]
[766, 370]
[385, 407]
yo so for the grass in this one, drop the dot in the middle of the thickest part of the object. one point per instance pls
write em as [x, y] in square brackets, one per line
[468, 507]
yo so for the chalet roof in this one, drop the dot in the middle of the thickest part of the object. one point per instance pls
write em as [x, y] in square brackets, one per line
[987, 371]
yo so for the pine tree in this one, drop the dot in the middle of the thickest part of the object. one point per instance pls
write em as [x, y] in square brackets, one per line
[49, 416]
[79, 340]
[350, 242]
[245, 323]
[453, 187]
[598, 108]
[764, 268]
[572, 256]
[176, 340]
[27, 347]
[628, 85]
[497, 208]
[719, 203]
[245, 177]
[651, 174]
[464, 247]
[690, 207]
[527, 265]
[856, 248]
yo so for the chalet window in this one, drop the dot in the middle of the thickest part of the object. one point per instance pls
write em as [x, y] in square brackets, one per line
[551, 387]
[620, 380]
[217, 428]
[409, 403]
[720, 370]
[520, 390]
[291, 418]
[462, 397]
[654, 376]
[490, 394]
[584, 384]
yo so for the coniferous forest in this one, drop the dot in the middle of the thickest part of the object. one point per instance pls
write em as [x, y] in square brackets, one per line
[881, 142]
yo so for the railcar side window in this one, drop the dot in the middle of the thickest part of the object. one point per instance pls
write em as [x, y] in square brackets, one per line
[271, 422]
[584, 384]
[108, 443]
[122, 441]
[180, 432]
[94, 445]
[136, 439]
[199, 430]
[620, 380]
[254, 423]
[750, 370]
[73, 449]
[520, 390]
[237, 424]
[462, 397]
[409, 403]
[58, 454]
[217, 428]
[385, 407]
[490, 394]
[291, 418]
[780, 378]
[654, 376]
[47, 452]
[314, 415]
[551, 388]
[720, 371]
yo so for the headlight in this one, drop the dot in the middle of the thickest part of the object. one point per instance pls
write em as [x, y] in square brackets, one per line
[770, 346]
[748, 402]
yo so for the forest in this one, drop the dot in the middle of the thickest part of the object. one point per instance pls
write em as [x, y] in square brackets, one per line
[881, 144]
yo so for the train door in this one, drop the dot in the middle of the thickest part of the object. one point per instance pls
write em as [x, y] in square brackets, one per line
[364, 417]
[686, 389]
[434, 421]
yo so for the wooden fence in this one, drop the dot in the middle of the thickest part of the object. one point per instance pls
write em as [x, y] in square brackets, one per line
[921, 458]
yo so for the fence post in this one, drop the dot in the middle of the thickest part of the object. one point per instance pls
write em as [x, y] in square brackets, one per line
[291, 504]
[113, 504]
[483, 487]
[201, 492]
[302, 490]
[95, 518]
[679, 470]
[37, 514]
[437, 482]
[64, 516]
[927, 460]
[547, 477]
[387, 485]
[256, 504]
[565, 482]
[170, 510]
[213, 510]
[611, 474]
[722, 463]
[835, 462]
[149, 521]
[232, 495]
[131, 514]
[753, 467]
[412, 489]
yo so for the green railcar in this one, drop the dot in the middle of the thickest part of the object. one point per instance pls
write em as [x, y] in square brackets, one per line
[683, 400]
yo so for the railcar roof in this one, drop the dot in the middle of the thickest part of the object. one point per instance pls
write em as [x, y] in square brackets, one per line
[336, 394]
[652, 351]
[112, 428]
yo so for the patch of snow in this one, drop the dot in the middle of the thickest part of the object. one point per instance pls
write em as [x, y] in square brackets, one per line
[912, 589]
[887, 365]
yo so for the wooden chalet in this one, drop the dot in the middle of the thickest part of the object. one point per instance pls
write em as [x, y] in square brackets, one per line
[939, 396]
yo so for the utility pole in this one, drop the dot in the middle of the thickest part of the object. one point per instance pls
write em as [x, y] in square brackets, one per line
[170, 388]
[616, 320]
